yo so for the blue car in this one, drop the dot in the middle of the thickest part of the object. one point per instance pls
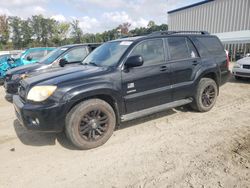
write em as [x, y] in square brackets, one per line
[4, 65]
[29, 56]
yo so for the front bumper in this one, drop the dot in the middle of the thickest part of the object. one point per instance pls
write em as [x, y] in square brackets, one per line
[40, 117]
[11, 86]
[241, 72]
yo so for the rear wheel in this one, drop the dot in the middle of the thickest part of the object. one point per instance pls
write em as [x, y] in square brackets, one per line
[206, 95]
[90, 123]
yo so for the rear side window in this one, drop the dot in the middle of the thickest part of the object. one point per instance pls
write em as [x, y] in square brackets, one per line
[181, 48]
[211, 44]
[152, 51]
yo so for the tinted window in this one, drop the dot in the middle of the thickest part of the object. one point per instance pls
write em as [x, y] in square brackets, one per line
[36, 55]
[76, 55]
[181, 48]
[108, 54]
[152, 51]
[211, 44]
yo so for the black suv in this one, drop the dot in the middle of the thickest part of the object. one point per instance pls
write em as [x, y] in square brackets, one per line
[68, 55]
[122, 80]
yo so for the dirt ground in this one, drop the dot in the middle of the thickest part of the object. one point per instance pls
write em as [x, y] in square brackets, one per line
[175, 148]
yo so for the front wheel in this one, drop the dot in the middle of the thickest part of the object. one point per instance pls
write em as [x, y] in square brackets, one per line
[206, 95]
[90, 124]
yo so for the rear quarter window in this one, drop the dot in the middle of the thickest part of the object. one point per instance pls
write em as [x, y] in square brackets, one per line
[181, 48]
[209, 46]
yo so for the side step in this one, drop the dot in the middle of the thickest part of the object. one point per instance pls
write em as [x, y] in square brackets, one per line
[155, 109]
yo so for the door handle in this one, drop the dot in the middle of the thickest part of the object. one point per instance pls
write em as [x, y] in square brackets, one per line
[164, 68]
[195, 62]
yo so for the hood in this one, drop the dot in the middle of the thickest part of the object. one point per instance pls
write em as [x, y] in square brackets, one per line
[57, 76]
[25, 69]
[245, 61]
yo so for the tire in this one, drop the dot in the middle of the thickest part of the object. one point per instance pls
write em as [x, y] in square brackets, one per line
[90, 124]
[206, 95]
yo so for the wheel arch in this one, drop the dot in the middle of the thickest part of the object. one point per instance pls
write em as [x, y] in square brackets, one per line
[212, 73]
[110, 97]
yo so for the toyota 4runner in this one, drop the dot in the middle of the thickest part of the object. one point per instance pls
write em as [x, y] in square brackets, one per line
[122, 80]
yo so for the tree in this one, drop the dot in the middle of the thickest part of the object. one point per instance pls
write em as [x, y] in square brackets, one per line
[15, 24]
[61, 33]
[76, 31]
[124, 28]
[151, 24]
[4, 29]
[26, 31]
[37, 28]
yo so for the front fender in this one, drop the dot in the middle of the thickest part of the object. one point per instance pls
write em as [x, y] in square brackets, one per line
[75, 95]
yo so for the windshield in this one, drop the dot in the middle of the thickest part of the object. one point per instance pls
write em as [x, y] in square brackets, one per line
[52, 56]
[107, 54]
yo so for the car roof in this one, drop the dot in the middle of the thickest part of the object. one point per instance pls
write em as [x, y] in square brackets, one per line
[129, 38]
[84, 44]
[165, 34]
[40, 48]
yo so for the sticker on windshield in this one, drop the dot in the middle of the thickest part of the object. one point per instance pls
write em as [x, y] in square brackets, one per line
[126, 43]
[63, 49]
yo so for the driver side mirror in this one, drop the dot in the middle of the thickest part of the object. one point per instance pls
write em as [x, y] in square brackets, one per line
[29, 58]
[63, 62]
[134, 61]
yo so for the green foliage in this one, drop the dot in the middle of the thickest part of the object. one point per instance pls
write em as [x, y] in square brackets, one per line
[15, 23]
[76, 31]
[4, 30]
[40, 31]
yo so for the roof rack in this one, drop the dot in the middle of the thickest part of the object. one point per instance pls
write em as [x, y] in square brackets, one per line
[178, 32]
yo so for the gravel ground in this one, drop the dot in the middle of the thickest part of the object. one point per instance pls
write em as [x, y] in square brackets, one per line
[175, 148]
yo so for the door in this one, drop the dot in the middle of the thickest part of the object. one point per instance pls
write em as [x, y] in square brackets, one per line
[185, 62]
[148, 85]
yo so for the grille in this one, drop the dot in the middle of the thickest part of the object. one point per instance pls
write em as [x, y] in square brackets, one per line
[22, 92]
[246, 66]
[242, 74]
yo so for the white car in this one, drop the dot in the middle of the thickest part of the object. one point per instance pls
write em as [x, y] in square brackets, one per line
[242, 68]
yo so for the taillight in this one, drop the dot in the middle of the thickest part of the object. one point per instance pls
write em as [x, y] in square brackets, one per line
[228, 61]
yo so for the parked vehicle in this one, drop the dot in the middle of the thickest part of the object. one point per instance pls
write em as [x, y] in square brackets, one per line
[122, 80]
[31, 55]
[69, 55]
[4, 66]
[242, 68]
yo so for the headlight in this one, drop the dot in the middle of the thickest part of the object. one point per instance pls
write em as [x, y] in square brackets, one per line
[40, 93]
[19, 76]
[237, 65]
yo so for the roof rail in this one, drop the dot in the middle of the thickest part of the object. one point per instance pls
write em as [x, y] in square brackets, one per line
[178, 32]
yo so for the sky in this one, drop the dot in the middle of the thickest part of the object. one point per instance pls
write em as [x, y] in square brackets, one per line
[96, 15]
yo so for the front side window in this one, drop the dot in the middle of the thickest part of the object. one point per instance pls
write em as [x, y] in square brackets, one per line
[53, 55]
[181, 48]
[152, 51]
[75, 55]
